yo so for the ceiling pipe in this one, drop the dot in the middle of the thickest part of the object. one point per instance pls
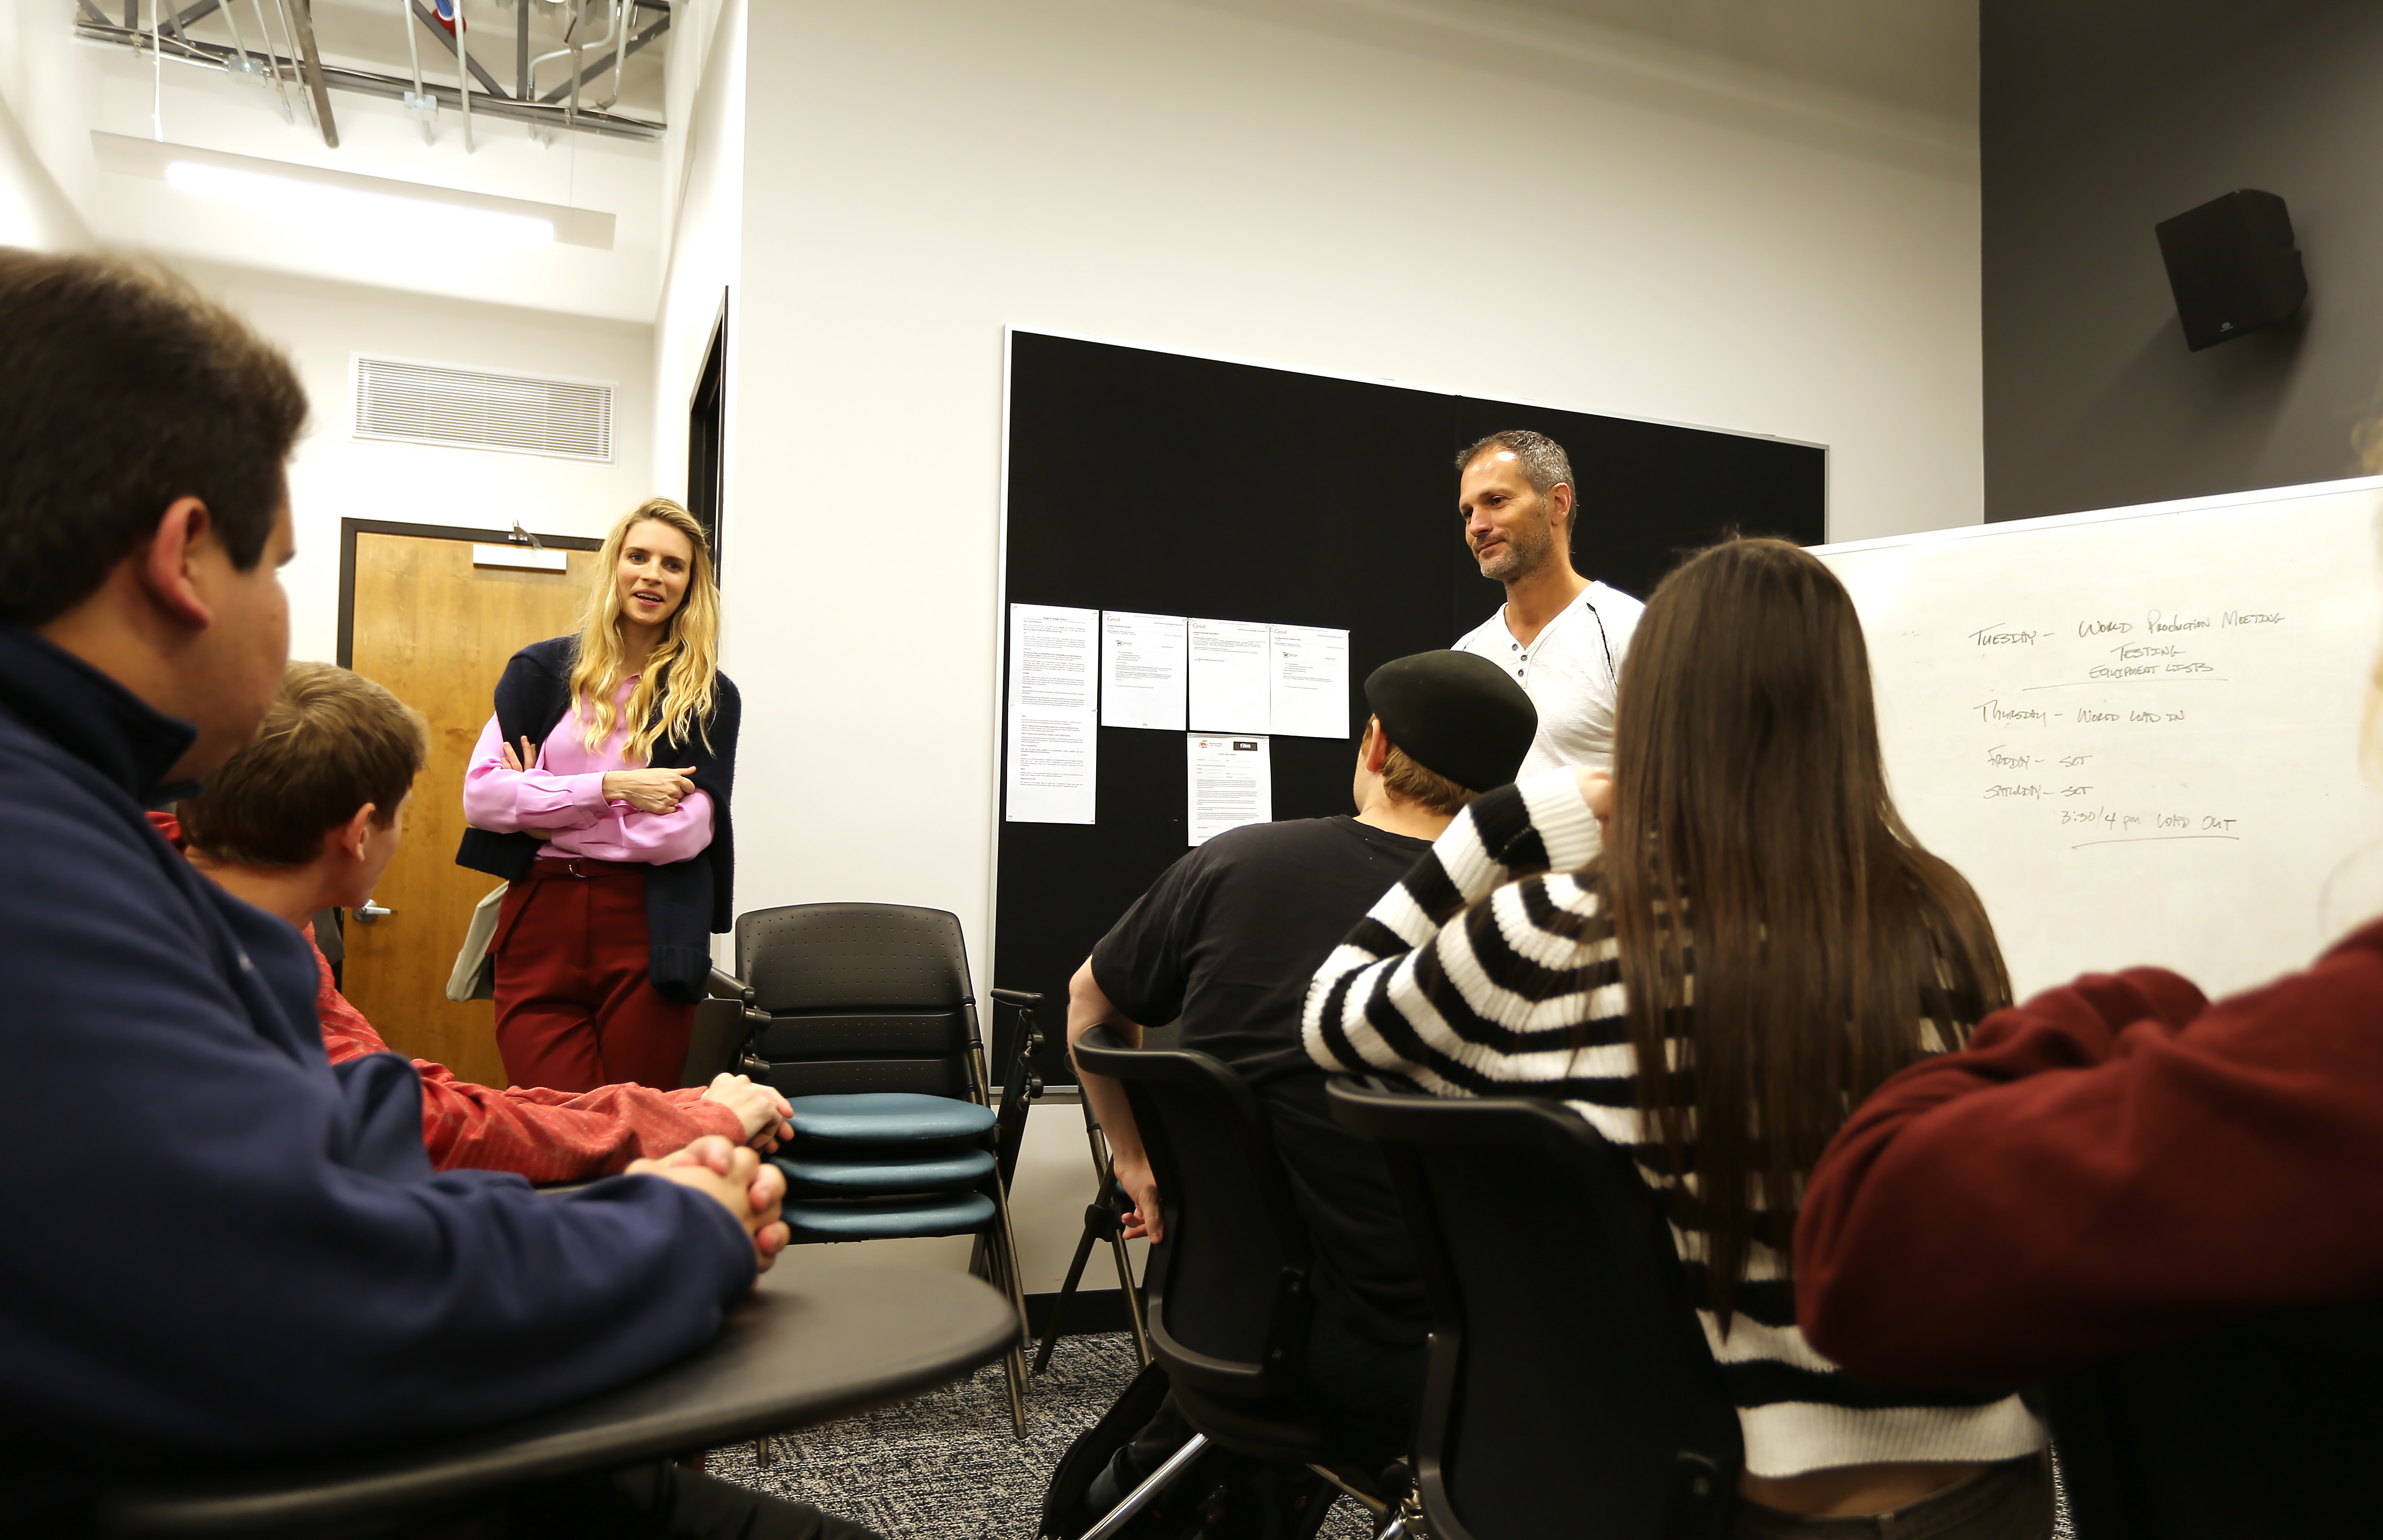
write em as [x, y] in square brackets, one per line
[575, 48]
[289, 45]
[464, 75]
[620, 53]
[247, 65]
[637, 43]
[439, 34]
[420, 103]
[302, 17]
[272, 59]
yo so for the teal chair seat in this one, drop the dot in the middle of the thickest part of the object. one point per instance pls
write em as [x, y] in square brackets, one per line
[888, 1117]
[808, 1176]
[889, 1218]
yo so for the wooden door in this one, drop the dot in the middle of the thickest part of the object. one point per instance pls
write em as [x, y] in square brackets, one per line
[437, 630]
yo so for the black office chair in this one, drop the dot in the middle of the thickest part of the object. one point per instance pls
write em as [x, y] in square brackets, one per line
[1228, 1304]
[1570, 1391]
[2251, 1432]
[862, 1017]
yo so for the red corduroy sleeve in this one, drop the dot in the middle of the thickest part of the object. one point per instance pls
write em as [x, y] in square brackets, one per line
[2113, 1165]
[547, 1136]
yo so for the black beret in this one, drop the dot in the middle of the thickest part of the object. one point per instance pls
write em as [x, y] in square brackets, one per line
[1456, 713]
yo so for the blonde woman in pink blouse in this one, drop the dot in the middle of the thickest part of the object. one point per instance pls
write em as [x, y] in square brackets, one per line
[599, 790]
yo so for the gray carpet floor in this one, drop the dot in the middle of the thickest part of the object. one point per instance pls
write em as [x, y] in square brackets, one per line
[946, 1466]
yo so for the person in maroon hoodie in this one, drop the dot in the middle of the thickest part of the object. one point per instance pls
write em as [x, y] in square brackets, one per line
[2170, 1208]
[2115, 1164]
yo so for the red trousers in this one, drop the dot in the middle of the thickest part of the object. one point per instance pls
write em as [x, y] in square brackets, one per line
[574, 1010]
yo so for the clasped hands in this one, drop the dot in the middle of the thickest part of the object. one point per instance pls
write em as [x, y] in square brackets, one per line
[737, 1179]
[648, 790]
[763, 1111]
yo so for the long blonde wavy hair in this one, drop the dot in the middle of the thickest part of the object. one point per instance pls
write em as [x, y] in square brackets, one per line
[688, 654]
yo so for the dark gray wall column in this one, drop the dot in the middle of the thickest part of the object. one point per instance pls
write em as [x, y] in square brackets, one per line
[2097, 121]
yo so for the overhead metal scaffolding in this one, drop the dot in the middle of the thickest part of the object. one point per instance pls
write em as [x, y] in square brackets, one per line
[293, 61]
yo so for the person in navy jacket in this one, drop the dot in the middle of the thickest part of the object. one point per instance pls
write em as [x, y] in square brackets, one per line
[255, 1259]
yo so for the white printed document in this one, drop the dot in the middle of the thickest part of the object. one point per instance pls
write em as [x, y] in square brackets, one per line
[1050, 762]
[1231, 782]
[1231, 662]
[1142, 670]
[1309, 686]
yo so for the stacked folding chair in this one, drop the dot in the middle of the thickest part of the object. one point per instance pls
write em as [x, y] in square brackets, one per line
[860, 1015]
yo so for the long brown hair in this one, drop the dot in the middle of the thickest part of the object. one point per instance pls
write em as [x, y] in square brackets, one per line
[1829, 950]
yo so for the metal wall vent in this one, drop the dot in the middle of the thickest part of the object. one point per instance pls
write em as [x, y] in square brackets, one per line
[431, 404]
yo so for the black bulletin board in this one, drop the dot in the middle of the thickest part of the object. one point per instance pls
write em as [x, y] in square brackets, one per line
[1178, 485]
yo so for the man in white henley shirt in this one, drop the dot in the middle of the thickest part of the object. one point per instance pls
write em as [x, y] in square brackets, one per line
[1561, 635]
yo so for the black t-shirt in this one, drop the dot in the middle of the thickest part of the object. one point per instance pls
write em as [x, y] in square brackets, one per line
[1223, 945]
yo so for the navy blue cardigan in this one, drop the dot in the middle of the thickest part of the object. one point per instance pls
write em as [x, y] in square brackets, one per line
[315, 1286]
[686, 901]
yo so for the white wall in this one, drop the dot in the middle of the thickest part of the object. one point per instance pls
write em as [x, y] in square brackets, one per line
[34, 210]
[920, 173]
[705, 192]
[337, 476]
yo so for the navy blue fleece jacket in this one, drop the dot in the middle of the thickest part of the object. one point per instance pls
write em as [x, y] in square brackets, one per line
[217, 1245]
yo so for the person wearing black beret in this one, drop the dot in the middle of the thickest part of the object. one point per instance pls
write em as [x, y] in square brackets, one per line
[1222, 945]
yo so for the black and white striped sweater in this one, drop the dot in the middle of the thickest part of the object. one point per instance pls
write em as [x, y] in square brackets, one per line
[1445, 983]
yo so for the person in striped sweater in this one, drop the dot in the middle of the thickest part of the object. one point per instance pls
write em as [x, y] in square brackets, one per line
[1749, 841]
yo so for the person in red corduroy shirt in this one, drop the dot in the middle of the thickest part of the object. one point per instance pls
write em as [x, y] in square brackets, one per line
[2114, 1165]
[290, 824]
[555, 1136]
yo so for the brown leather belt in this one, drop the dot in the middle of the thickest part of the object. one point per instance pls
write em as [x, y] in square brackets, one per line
[581, 865]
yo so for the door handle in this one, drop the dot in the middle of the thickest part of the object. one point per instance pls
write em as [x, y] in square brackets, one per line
[369, 912]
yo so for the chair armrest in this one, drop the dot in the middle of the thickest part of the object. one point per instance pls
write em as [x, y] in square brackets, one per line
[1023, 999]
[725, 985]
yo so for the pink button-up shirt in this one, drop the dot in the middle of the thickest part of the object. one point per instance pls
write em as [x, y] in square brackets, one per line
[563, 794]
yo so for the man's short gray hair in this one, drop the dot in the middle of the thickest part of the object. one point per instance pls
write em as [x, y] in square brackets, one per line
[1543, 458]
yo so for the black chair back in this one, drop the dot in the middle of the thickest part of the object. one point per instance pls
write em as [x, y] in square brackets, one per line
[712, 1044]
[1020, 1087]
[1570, 1389]
[1228, 1299]
[859, 997]
[2247, 1433]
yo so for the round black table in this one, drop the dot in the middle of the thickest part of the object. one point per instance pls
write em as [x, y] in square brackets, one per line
[809, 1343]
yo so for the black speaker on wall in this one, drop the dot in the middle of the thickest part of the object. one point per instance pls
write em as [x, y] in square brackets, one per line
[2233, 266]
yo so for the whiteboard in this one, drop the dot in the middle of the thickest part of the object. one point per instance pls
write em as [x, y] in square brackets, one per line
[2137, 732]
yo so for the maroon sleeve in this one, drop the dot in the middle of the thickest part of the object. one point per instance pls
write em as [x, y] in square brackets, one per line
[548, 1136]
[556, 1136]
[2113, 1165]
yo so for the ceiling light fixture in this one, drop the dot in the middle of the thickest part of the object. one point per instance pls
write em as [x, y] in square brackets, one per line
[368, 214]
[403, 215]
